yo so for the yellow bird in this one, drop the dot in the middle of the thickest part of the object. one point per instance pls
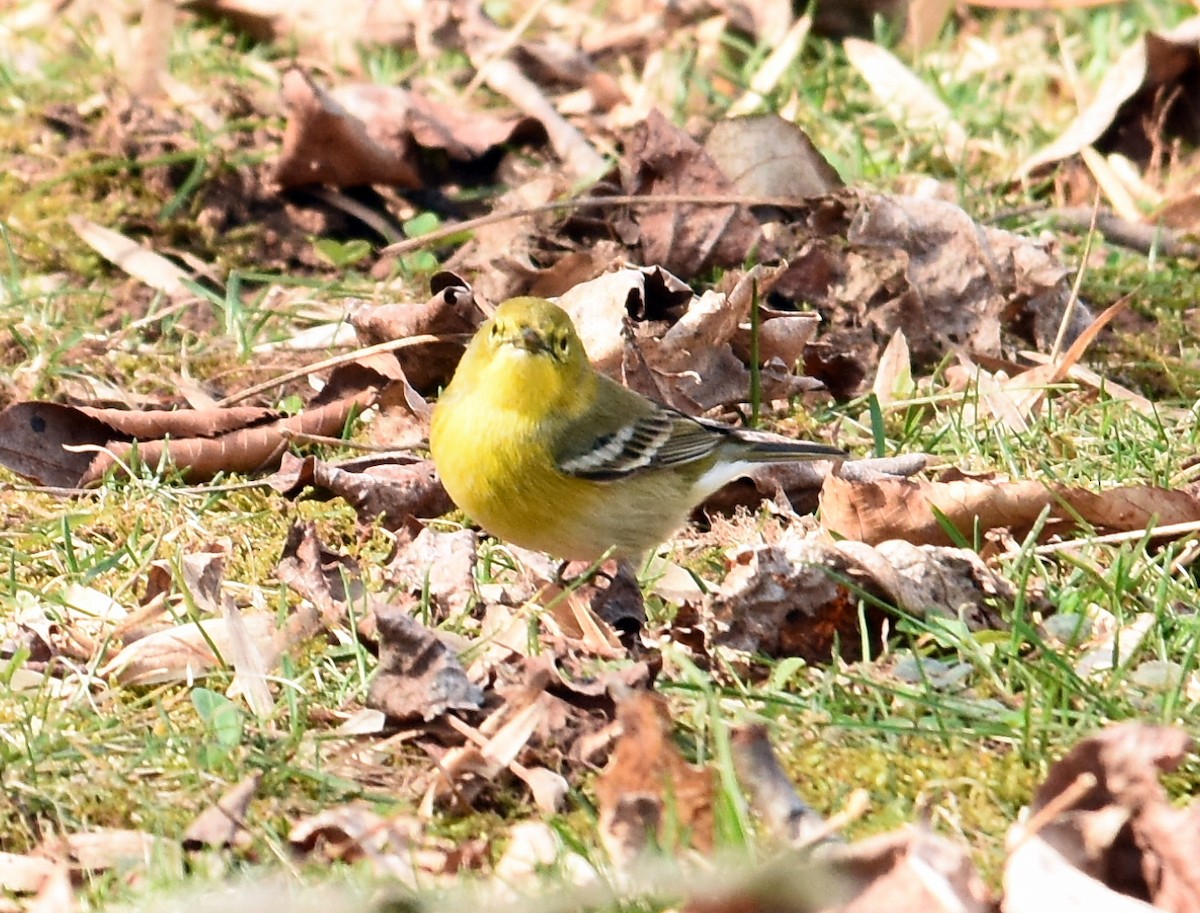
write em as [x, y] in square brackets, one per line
[546, 452]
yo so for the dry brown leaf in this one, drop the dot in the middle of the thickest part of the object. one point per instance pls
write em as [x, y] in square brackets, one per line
[767, 156]
[791, 598]
[875, 264]
[648, 790]
[907, 871]
[910, 871]
[334, 34]
[684, 238]
[100, 849]
[224, 824]
[418, 677]
[772, 793]
[1037, 877]
[396, 847]
[325, 144]
[1135, 96]
[452, 312]
[320, 575]
[439, 566]
[601, 307]
[365, 133]
[1102, 823]
[484, 758]
[185, 652]
[395, 490]
[876, 510]
[37, 435]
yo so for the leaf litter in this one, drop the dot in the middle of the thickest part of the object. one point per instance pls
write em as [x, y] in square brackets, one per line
[522, 683]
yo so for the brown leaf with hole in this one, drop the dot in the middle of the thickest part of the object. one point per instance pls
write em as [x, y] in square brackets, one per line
[915, 510]
[201, 443]
[685, 238]
[648, 790]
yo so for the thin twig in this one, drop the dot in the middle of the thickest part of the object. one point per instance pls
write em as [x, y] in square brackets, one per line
[392, 345]
[1171, 529]
[1076, 790]
[637, 199]
[1137, 236]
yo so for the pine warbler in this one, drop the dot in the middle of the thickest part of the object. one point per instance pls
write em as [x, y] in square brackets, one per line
[547, 453]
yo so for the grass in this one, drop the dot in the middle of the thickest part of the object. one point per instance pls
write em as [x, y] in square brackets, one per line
[957, 725]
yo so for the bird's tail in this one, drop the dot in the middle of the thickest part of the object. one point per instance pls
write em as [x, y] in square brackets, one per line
[767, 450]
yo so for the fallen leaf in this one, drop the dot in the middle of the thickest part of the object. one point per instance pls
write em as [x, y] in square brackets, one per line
[138, 261]
[418, 677]
[684, 238]
[394, 490]
[1104, 824]
[327, 579]
[772, 794]
[396, 847]
[1134, 101]
[452, 312]
[916, 510]
[801, 597]
[438, 567]
[647, 792]
[767, 156]
[224, 824]
[185, 652]
[90, 852]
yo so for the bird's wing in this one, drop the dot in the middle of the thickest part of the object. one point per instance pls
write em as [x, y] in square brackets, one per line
[659, 437]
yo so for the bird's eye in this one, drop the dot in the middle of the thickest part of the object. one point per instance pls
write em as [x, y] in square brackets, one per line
[495, 330]
[562, 344]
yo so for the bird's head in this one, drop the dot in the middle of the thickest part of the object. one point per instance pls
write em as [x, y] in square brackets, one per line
[530, 350]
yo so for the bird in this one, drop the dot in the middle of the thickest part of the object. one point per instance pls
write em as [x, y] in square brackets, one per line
[545, 452]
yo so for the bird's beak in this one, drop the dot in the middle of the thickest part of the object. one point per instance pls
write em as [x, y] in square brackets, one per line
[530, 340]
